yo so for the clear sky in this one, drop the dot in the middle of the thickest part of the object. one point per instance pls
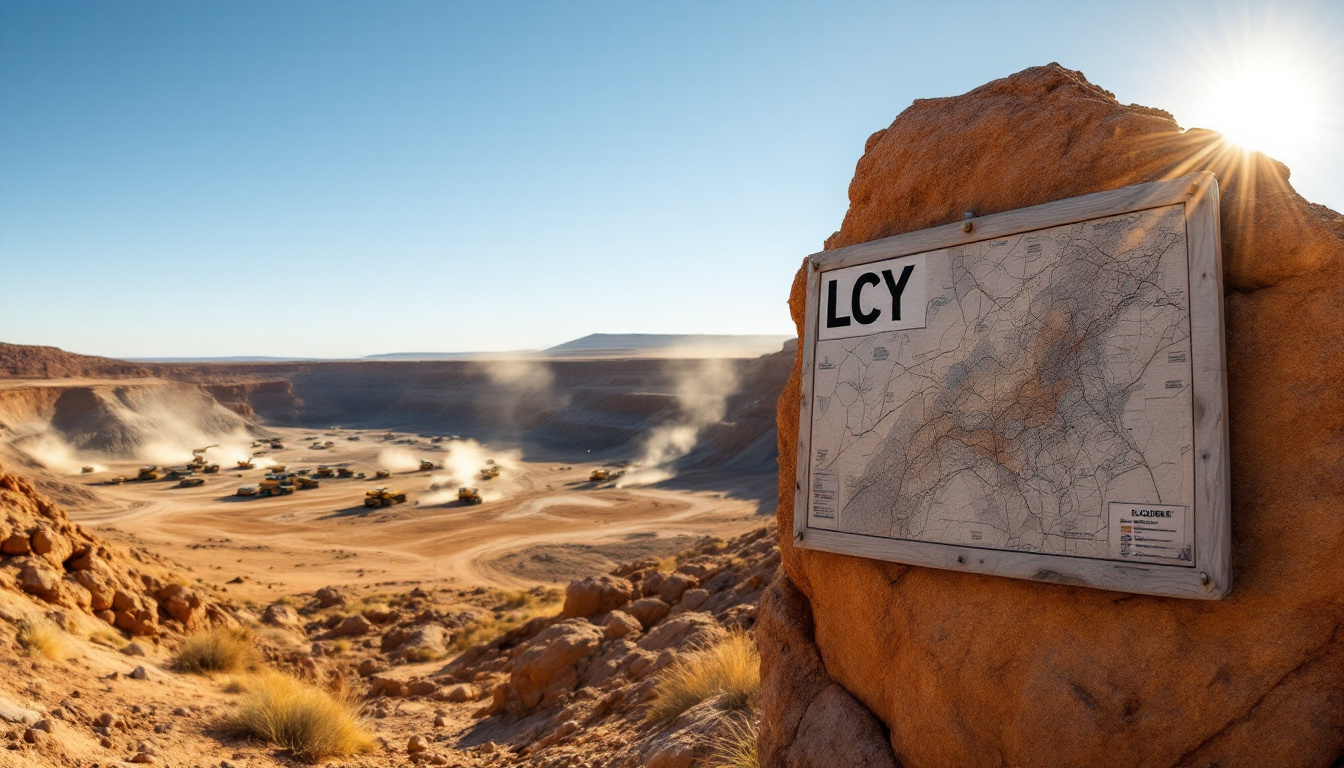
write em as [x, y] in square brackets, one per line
[339, 179]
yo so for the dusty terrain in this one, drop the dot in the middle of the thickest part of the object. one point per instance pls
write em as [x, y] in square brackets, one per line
[462, 634]
[325, 536]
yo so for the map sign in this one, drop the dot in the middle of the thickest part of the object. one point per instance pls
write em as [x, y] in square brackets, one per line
[1026, 393]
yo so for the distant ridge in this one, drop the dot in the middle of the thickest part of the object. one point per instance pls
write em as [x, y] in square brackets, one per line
[682, 345]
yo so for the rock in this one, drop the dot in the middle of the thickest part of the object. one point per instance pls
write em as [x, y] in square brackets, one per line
[459, 692]
[390, 687]
[12, 712]
[594, 595]
[1046, 675]
[687, 742]
[100, 592]
[16, 544]
[44, 725]
[133, 649]
[426, 643]
[180, 604]
[681, 631]
[440, 721]
[620, 624]
[328, 597]
[416, 744]
[106, 720]
[692, 599]
[281, 615]
[648, 611]
[549, 660]
[139, 673]
[807, 719]
[34, 736]
[421, 688]
[144, 757]
[85, 559]
[41, 541]
[674, 584]
[351, 626]
[370, 666]
[37, 578]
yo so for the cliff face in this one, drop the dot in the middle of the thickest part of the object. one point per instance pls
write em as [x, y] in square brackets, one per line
[973, 670]
[18, 361]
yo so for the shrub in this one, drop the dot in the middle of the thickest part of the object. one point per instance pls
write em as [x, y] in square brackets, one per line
[40, 637]
[735, 745]
[215, 650]
[729, 667]
[308, 721]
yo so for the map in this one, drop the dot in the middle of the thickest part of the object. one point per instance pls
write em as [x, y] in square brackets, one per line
[1028, 393]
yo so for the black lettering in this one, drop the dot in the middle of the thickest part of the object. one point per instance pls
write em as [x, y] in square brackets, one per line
[831, 320]
[896, 288]
[867, 278]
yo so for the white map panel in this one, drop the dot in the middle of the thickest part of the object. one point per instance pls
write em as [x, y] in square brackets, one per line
[1045, 405]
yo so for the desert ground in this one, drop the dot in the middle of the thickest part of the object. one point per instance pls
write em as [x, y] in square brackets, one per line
[540, 524]
[531, 628]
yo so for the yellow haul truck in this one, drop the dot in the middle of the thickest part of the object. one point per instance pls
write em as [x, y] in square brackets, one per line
[469, 496]
[383, 497]
[150, 472]
[600, 475]
[324, 471]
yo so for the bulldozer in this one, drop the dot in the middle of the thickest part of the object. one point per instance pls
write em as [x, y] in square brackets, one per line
[490, 473]
[210, 469]
[304, 483]
[245, 464]
[469, 496]
[150, 472]
[426, 466]
[599, 475]
[324, 471]
[383, 497]
[345, 472]
[382, 474]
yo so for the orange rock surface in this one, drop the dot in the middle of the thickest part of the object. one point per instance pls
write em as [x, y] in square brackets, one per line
[970, 670]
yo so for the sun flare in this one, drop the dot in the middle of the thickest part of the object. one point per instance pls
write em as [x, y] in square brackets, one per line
[1266, 104]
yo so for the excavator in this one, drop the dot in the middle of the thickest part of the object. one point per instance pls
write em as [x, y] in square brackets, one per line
[150, 472]
[426, 466]
[469, 496]
[383, 497]
[245, 464]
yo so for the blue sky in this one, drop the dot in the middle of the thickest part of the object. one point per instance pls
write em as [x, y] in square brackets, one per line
[341, 179]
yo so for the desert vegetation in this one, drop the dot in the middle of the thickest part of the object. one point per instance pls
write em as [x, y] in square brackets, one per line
[311, 722]
[214, 650]
[728, 667]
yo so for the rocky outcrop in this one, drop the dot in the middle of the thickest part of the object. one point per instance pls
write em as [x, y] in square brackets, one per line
[972, 670]
[59, 564]
[19, 361]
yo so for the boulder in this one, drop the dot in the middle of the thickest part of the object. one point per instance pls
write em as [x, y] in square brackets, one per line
[648, 611]
[38, 578]
[594, 595]
[682, 631]
[620, 624]
[425, 643]
[974, 670]
[329, 597]
[352, 626]
[673, 585]
[16, 544]
[281, 615]
[549, 660]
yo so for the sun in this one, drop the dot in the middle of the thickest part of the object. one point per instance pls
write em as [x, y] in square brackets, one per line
[1266, 106]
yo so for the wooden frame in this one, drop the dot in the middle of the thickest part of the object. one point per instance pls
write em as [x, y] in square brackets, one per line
[1211, 576]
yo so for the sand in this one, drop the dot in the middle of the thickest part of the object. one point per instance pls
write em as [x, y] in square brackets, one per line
[552, 525]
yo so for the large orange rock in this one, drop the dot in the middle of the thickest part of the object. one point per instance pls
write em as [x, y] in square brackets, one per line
[970, 670]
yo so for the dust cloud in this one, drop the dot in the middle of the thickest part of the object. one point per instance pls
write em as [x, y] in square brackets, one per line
[398, 460]
[462, 463]
[702, 393]
[523, 392]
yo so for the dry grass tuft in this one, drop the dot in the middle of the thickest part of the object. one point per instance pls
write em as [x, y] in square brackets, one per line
[512, 610]
[41, 637]
[729, 667]
[308, 721]
[736, 745]
[215, 650]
